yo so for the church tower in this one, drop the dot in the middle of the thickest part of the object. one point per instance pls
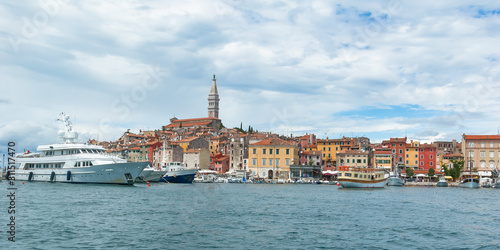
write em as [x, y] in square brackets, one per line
[213, 100]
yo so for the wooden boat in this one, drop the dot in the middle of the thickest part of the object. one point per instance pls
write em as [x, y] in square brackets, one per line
[354, 177]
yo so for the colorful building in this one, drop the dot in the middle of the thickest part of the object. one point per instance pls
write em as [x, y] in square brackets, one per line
[398, 146]
[383, 158]
[481, 152]
[271, 158]
[427, 156]
[412, 154]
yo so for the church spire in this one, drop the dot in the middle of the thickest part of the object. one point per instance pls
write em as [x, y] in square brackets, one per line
[213, 100]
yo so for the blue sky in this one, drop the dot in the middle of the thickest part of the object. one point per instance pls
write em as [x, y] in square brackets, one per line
[427, 70]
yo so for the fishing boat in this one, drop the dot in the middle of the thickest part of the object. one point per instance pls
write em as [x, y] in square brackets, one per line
[354, 177]
[442, 182]
[178, 173]
[75, 162]
[394, 180]
[469, 180]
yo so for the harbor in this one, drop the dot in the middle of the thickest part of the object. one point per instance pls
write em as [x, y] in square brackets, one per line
[256, 216]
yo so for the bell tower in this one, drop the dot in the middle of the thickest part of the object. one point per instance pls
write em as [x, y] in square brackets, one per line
[213, 100]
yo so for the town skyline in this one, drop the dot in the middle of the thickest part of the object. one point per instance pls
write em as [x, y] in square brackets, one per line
[426, 71]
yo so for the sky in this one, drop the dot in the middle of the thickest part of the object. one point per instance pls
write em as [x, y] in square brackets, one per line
[428, 70]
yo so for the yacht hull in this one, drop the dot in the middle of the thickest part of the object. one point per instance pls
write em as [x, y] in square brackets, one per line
[469, 184]
[117, 173]
[182, 176]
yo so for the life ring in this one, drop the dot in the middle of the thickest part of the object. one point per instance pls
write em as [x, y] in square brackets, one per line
[346, 168]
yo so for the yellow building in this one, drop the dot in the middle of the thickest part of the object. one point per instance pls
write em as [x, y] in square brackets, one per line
[383, 159]
[411, 154]
[331, 147]
[272, 158]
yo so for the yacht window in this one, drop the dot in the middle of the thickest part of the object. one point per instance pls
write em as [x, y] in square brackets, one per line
[90, 163]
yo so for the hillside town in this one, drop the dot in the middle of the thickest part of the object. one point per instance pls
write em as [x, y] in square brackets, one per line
[205, 144]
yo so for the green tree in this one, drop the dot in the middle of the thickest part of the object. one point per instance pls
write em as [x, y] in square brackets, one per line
[457, 168]
[431, 172]
[409, 172]
[311, 162]
[445, 169]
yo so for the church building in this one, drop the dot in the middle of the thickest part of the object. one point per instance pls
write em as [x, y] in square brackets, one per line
[212, 121]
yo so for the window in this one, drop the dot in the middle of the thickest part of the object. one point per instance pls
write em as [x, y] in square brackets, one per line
[277, 162]
[482, 144]
[287, 162]
[254, 151]
[421, 156]
[400, 151]
[277, 151]
[431, 163]
[394, 151]
[492, 154]
[263, 161]
[416, 162]
[364, 160]
[471, 144]
[400, 145]
[270, 151]
[482, 154]
[407, 156]
[407, 149]
[471, 154]
[431, 156]
[270, 162]
[421, 163]
[491, 144]
[264, 151]
[254, 161]
[416, 156]
[407, 162]
[287, 151]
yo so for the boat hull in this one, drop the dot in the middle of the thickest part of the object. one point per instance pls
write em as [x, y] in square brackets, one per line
[442, 184]
[395, 181]
[155, 175]
[182, 176]
[349, 183]
[469, 184]
[117, 173]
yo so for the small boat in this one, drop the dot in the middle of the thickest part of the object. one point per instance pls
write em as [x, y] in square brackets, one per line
[353, 177]
[442, 182]
[469, 180]
[496, 184]
[394, 180]
[178, 173]
[485, 182]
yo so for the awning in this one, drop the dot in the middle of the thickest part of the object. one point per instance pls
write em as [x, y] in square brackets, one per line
[448, 177]
[420, 175]
[329, 172]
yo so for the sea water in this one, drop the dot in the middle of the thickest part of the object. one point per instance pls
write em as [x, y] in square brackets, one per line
[249, 216]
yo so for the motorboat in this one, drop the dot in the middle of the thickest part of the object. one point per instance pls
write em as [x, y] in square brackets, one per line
[178, 173]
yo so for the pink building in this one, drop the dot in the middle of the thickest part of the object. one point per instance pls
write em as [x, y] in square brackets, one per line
[222, 164]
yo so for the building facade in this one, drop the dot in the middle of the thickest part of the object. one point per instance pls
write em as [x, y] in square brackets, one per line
[271, 158]
[481, 153]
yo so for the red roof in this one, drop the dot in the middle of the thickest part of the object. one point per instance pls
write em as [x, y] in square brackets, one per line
[482, 137]
[272, 141]
[195, 119]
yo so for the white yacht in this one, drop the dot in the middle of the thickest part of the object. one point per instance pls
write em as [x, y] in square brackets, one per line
[75, 163]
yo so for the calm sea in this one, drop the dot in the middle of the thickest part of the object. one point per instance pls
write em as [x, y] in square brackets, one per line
[250, 216]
